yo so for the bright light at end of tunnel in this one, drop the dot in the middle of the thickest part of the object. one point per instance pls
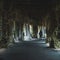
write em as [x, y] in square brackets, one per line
[26, 38]
[48, 44]
[45, 35]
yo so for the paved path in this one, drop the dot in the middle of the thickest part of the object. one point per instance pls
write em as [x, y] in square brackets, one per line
[34, 50]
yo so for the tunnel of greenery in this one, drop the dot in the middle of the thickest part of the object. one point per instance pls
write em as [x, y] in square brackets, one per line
[19, 22]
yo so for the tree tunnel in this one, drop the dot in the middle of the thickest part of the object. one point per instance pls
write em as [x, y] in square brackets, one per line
[20, 21]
